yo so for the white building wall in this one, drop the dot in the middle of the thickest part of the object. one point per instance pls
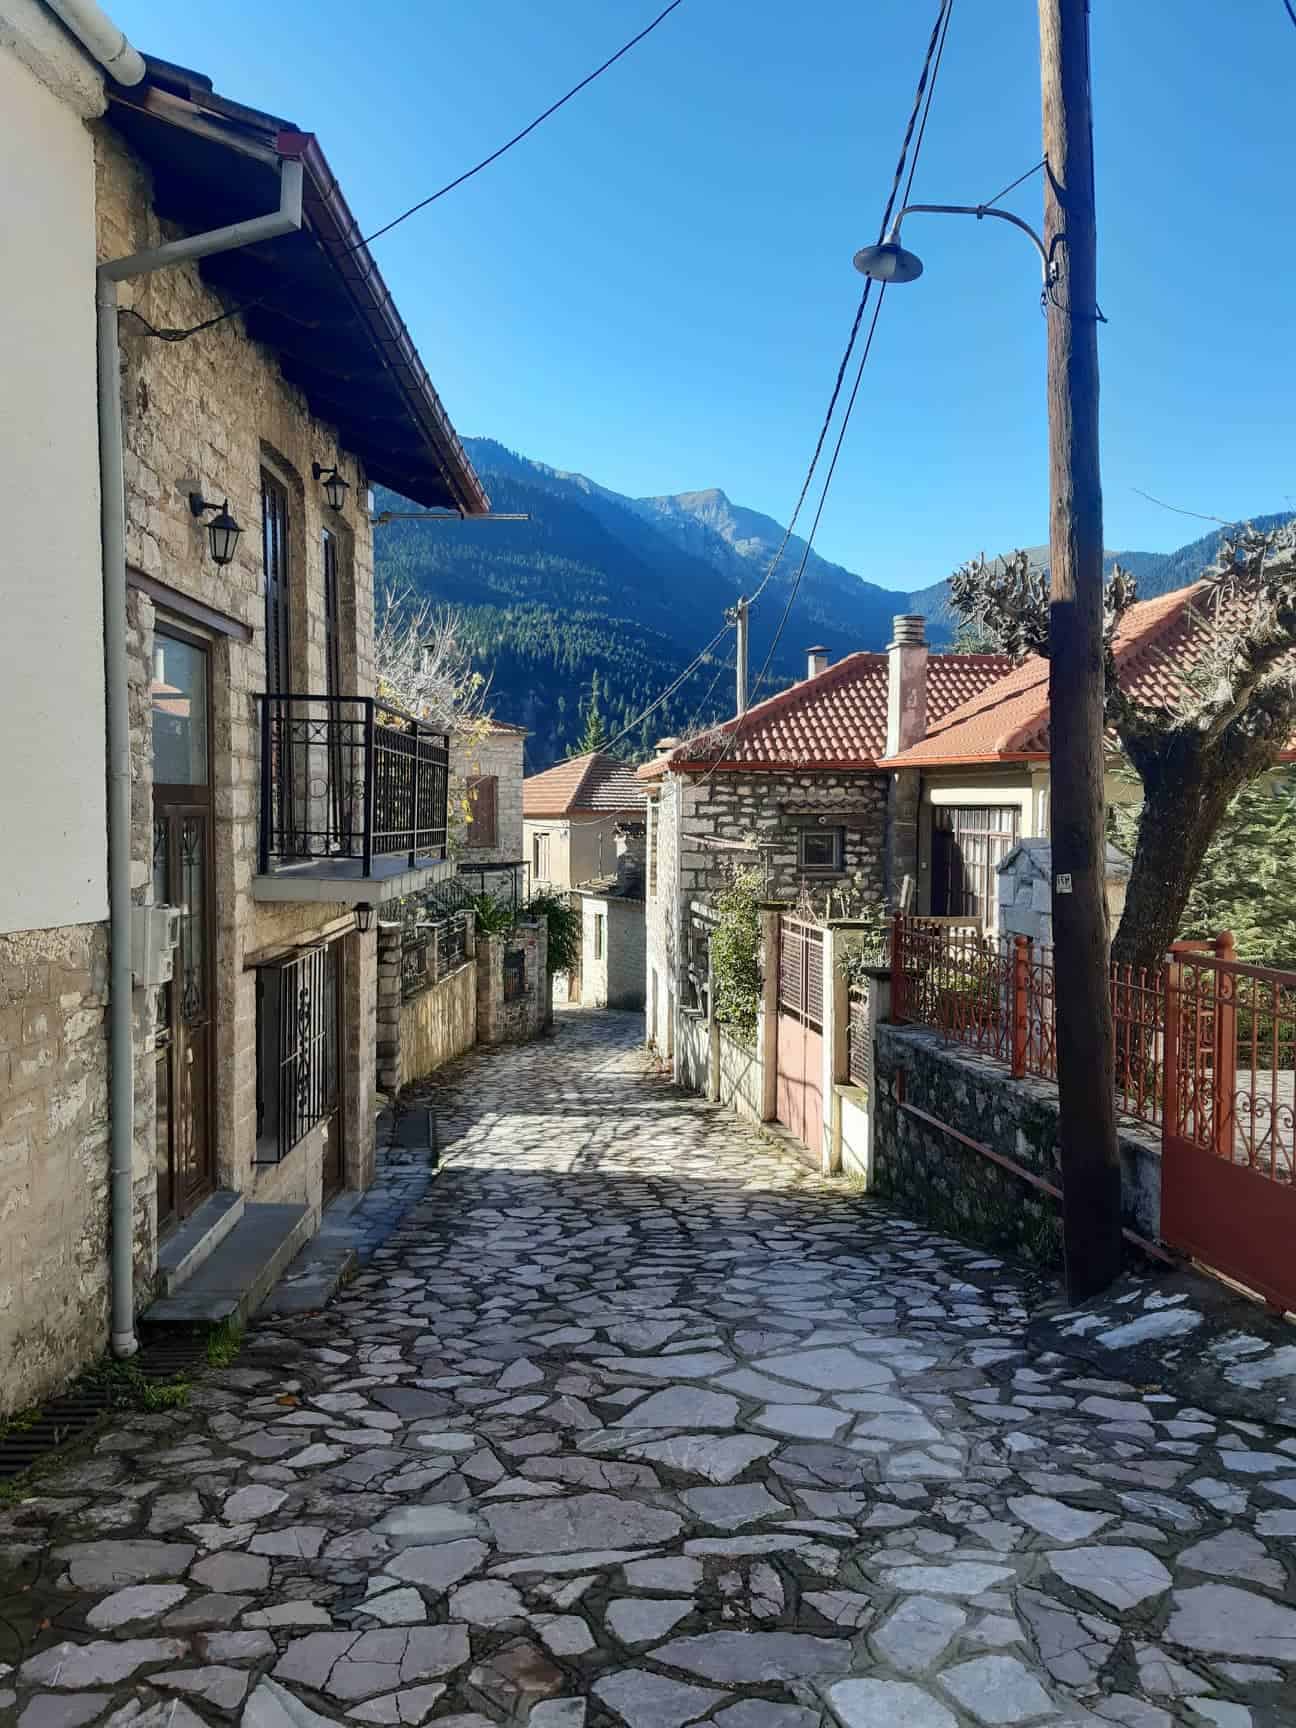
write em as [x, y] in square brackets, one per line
[52, 767]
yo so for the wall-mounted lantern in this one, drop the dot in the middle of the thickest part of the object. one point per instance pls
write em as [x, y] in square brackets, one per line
[335, 487]
[222, 531]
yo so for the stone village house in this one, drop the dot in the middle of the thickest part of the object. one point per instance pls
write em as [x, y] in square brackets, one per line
[584, 824]
[486, 774]
[269, 802]
[801, 791]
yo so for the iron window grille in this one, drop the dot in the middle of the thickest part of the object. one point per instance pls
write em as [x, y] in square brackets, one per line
[514, 975]
[297, 1048]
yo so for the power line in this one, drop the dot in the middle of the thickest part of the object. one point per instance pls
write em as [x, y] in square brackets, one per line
[1291, 10]
[171, 335]
[1201, 515]
[922, 101]
[931, 60]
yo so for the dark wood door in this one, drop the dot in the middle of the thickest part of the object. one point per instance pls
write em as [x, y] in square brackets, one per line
[184, 1026]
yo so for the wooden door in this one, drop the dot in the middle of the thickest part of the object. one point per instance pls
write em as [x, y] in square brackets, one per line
[184, 1024]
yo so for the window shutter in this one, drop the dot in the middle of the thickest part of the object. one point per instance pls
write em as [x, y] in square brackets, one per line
[482, 820]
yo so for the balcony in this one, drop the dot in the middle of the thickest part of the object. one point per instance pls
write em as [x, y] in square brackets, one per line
[353, 800]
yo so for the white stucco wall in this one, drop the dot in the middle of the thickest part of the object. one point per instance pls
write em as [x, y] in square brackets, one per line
[52, 767]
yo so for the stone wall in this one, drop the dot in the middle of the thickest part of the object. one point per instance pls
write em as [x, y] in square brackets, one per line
[527, 1015]
[740, 1085]
[439, 1023]
[662, 913]
[54, 1158]
[931, 1177]
[762, 809]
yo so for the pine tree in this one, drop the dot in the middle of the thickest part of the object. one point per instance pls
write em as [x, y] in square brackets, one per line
[595, 735]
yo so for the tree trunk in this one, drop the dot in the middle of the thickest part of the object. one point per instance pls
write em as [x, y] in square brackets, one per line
[1183, 804]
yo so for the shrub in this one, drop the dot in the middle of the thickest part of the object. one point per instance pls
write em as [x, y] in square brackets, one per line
[735, 953]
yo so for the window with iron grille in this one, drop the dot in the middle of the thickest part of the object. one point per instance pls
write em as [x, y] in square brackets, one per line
[600, 922]
[969, 842]
[483, 805]
[297, 1048]
[514, 975]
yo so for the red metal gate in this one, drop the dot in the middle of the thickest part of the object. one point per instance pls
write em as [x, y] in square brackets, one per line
[1228, 1195]
[800, 1031]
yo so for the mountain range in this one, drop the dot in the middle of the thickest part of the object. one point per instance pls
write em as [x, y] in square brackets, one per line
[598, 587]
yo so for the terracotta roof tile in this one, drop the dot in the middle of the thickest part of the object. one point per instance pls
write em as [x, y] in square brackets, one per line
[595, 783]
[1009, 720]
[835, 720]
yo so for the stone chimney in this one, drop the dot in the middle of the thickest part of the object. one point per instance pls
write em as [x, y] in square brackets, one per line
[906, 683]
[816, 661]
[666, 746]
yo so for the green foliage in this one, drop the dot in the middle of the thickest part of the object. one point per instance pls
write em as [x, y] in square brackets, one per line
[735, 953]
[596, 734]
[129, 1388]
[224, 1343]
[1246, 883]
[563, 920]
[492, 917]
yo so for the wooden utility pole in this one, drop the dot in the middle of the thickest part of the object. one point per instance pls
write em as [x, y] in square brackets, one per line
[740, 652]
[1085, 1053]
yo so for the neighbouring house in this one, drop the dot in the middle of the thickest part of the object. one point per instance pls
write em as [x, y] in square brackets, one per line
[571, 814]
[272, 810]
[797, 787]
[976, 776]
[613, 963]
[486, 774]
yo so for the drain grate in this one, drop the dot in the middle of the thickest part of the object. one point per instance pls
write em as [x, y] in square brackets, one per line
[65, 1419]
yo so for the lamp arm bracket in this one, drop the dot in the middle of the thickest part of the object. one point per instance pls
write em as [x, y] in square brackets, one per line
[979, 211]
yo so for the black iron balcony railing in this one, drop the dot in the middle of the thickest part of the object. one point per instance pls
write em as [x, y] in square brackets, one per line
[349, 778]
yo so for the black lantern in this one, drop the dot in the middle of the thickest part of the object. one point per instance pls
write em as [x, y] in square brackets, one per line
[364, 917]
[222, 531]
[335, 487]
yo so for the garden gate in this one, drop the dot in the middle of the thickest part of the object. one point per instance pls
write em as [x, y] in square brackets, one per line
[799, 1055]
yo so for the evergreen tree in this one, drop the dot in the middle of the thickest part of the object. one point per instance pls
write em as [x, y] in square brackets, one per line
[595, 735]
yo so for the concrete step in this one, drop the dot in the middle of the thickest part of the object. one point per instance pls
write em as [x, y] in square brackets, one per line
[235, 1279]
[197, 1238]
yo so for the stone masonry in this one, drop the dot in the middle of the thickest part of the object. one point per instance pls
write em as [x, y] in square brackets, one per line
[634, 1422]
[53, 1157]
[497, 753]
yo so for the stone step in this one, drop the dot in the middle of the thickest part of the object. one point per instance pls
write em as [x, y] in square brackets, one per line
[235, 1279]
[197, 1238]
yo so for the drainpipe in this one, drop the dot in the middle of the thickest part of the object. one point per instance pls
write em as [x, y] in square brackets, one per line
[100, 37]
[112, 506]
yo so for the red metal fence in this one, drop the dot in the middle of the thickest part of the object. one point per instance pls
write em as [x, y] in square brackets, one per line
[998, 994]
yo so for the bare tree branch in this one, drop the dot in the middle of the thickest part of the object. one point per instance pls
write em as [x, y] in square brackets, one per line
[423, 665]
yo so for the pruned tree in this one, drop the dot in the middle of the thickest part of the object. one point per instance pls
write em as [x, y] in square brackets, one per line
[1235, 711]
[424, 667]
[423, 664]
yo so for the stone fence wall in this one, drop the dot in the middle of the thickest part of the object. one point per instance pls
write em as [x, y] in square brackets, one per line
[933, 1176]
[514, 1000]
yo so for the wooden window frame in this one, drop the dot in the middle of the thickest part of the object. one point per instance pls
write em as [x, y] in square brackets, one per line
[477, 783]
[837, 834]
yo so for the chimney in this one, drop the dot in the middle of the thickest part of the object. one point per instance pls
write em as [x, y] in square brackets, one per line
[816, 661]
[906, 684]
[665, 746]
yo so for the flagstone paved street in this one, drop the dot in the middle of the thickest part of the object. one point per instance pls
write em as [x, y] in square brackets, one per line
[635, 1421]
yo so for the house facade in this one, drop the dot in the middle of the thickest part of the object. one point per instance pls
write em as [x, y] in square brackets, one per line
[487, 767]
[977, 776]
[571, 817]
[794, 788]
[274, 805]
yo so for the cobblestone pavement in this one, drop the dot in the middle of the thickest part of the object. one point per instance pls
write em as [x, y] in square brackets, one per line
[633, 1421]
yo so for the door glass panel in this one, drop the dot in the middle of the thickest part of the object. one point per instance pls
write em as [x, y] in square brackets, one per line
[193, 912]
[179, 697]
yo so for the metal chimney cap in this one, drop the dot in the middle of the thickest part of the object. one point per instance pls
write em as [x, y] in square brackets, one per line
[909, 630]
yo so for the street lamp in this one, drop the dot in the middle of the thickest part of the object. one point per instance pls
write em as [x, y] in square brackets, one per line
[890, 262]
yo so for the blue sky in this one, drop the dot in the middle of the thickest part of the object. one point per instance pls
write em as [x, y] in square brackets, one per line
[655, 287]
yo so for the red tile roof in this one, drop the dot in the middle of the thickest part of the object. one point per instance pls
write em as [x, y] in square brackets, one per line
[835, 720]
[1009, 720]
[595, 783]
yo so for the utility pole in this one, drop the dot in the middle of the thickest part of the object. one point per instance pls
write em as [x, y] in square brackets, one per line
[740, 652]
[1084, 1043]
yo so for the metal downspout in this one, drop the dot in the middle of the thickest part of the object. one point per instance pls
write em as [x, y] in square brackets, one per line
[112, 507]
